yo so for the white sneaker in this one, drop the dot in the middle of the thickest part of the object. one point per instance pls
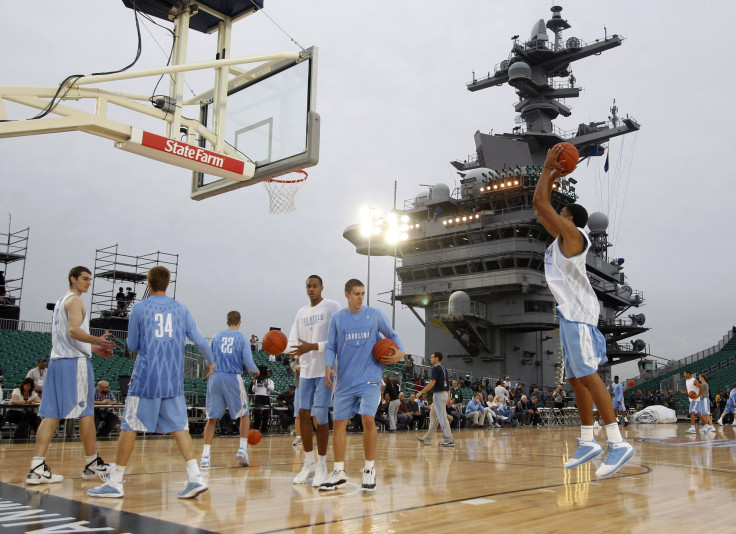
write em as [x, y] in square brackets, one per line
[242, 457]
[41, 474]
[306, 473]
[691, 430]
[617, 454]
[204, 463]
[337, 479]
[297, 441]
[734, 423]
[369, 479]
[109, 490]
[596, 425]
[97, 468]
[320, 475]
[710, 428]
[720, 422]
[193, 488]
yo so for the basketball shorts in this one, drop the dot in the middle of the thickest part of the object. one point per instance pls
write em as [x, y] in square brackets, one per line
[705, 406]
[730, 408]
[696, 406]
[583, 347]
[69, 389]
[364, 402]
[313, 392]
[160, 416]
[618, 404]
[226, 390]
[296, 402]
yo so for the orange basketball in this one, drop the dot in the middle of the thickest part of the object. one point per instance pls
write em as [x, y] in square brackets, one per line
[569, 157]
[383, 348]
[274, 342]
[692, 395]
[254, 437]
[631, 383]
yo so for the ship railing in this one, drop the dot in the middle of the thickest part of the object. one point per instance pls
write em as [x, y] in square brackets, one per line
[458, 309]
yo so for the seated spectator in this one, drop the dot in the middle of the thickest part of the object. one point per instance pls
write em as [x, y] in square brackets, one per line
[412, 408]
[476, 413]
[455, 394]
[532, 408]
[103, 396]
[381, 416]
[520, 414]
[459, 419]
[501, 411]
[27, 418]
[408, 367]
[467, 383]
[38, 374]
[285, 399]
[403, 416]
[481, 389]
[501, 391]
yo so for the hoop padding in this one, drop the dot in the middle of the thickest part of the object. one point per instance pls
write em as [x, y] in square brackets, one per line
[282, 190]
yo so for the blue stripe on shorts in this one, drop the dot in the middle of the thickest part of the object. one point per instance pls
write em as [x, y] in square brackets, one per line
[583, 347]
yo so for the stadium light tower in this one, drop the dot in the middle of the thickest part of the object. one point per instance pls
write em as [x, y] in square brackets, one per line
[372, 225]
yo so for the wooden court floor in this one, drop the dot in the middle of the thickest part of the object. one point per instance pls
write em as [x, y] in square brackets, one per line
[504, 480]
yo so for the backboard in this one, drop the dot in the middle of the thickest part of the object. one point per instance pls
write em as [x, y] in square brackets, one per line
[270, 120]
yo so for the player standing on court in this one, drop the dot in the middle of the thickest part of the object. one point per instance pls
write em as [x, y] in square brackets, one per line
[308, 342]
[69, 388]
[618, 400]
[357, 385]
[440, 386]
[695, 408]
[583, 346]
[158, 330]
[225, 387]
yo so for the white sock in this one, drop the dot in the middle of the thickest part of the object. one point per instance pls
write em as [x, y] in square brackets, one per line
[613, 433]
[586, 433]
[309, 457]
[322, 460]
[244, 443]
[193, 471]
[206, 450]
[369, 464]
[117, 473]
[89, 459]
[339, 466]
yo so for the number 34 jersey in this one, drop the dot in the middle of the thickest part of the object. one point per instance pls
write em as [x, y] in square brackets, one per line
[158, 329]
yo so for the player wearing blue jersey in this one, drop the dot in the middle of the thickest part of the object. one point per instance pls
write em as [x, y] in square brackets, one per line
[69, 390]
[618, 400]
[578, 309]
[357, 378]
[225, 387]
[730, 406]
[158, 330]
[308, 342]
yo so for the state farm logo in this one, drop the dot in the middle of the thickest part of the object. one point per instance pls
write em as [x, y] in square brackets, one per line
[196, 154]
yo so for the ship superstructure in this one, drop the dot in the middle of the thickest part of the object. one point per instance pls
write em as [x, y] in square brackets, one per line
[473, 262]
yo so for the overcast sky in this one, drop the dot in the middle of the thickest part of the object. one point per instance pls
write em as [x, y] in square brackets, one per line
[393, 103]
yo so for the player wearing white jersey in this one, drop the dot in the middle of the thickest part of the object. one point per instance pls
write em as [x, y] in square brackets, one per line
[583, 346]
[158, 330]
[69, 386]
[308, 342]
[225, 387]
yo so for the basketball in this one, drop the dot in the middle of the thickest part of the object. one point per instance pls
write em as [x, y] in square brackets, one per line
[274, 342]
[631, 383]
[692, 395]
[254, 437]
[383, 348]
[569, 156]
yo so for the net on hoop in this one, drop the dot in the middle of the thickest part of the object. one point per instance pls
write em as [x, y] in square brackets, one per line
[282, 190]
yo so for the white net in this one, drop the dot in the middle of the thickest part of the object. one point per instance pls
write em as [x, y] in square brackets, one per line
[282, 190]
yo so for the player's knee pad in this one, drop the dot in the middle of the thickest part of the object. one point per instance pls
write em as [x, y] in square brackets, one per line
[321, 413]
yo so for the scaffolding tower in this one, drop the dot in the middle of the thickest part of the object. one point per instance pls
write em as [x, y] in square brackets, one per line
[119, 281]
[13, 251]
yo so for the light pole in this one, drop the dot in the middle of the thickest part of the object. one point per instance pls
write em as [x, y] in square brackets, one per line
[372, 225]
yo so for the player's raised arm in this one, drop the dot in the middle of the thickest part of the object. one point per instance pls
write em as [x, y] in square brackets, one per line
[247, 358]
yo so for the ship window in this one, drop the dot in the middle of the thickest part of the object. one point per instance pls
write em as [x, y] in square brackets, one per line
[433, 272]
[492, 265]
[419, 274]
[539, 306]
[405, 276]
[507, 263]
[446, 271]
[461, 269]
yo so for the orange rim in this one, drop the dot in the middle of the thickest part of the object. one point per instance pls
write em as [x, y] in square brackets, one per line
[297, 180]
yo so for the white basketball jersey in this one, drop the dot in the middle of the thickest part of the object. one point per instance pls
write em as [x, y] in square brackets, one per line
[62, 344]
[690, 384]
[312, 324]
[567, 279]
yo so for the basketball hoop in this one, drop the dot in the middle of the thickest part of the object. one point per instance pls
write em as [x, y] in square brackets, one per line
[282, 190]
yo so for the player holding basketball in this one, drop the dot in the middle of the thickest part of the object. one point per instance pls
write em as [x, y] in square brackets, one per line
[583, 346]
[69, 388]
[357, 385]
[618, 400]
[693, 390]
[158, 330]
[225, 387]
[308, 342]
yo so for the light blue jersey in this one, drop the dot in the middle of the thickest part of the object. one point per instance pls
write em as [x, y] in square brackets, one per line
[158, 330]
[618, 391]
[231, 352]
[350, 340]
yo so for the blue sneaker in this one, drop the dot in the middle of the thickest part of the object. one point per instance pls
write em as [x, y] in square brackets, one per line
[587, 450]
[193, 489]
[447, 444]
[616, 456]
[109, 490]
